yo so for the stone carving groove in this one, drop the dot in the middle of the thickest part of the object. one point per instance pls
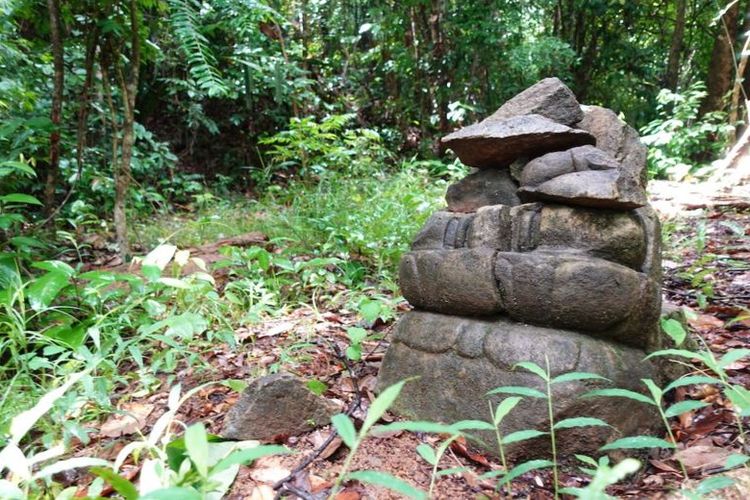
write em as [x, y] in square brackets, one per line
[548, 252]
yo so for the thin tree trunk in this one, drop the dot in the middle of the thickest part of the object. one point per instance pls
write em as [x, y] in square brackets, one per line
[671, 78]
[92, 42]
[721, 68]
[739, 94]
[57, 97]
[129, 89]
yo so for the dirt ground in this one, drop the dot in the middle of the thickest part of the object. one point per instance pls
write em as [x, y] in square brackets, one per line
[707, 269]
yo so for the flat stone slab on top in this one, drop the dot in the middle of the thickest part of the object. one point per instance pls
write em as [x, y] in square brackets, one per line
[549, 98]
[498, 143]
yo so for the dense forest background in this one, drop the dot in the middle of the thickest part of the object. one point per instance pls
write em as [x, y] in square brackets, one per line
[138, 105]
[209, 191]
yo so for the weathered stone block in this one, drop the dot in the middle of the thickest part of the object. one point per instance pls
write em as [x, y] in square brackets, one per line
[276, 405]
[482, 188]
[497, 143]
[549, 98]
[618, 139]
[454, 378]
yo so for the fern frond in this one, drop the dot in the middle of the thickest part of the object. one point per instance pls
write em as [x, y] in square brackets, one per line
[201, 61]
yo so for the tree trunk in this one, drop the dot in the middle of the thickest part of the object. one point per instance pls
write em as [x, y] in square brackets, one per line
[129, 88]
[672, 75]
[721, 68]
[739, 108]
[57, 97]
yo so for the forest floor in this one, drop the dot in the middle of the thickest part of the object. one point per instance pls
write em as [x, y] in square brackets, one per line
[706, 270]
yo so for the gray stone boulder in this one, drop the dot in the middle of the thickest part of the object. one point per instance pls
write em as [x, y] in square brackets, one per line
[595, 188]
[617, 236]
[584, 176]
[551, 165]
[276, 405]
[545, 287]
[617, 138]
[498, 143]
[482, 188]
[458, 360]
[549, 98]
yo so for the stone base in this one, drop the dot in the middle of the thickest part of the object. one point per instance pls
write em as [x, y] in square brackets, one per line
[458, 360]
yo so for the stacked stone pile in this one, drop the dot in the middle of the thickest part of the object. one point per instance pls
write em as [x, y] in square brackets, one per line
[548, 250]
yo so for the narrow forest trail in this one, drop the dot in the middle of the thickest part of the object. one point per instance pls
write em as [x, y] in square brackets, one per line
[706, 269]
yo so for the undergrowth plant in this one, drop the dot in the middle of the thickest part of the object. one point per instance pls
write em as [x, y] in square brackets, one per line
[504, 408]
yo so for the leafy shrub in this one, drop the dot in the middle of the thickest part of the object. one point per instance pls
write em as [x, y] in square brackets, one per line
[311, 149]
[682, 142]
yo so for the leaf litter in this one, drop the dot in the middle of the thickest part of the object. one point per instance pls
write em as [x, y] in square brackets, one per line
[705, 436]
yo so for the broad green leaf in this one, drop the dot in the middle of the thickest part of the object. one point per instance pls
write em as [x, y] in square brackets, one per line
[740, 399]
[196, 443]
[587, 460]
[381, 404]
[388, 481]
[690, 380]
[70, 464]
[580, 422]
[20, 198]
[636, 442]
[174, 493]
[472, 425]
[533, 368]
[151, 273]
[354, 352]
[655, 390]
[525, 467]
[713, 483]
[44, 289]
[416, 426]
[523, 435]
[425, 451]
[732, 356]
[119, 483]
[573, 376]
[55, 266]
[683, 407]
[452, 470]
[619, 393]
[518, 390]
[316, 387]
[674, 329]
[345, 428]
[370, 310]
[735, 460]
[22, 242]
[356, 334]
[505, 407]
[18, 166]
[248, 455]
[680, 353]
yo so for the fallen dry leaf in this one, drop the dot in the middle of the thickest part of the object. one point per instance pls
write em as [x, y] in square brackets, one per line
[269, 470]
[318, 484]
[131, 419]
[348, 494]
[460, 447]
[262, 492]
[701, 458]
[278, 329]
[705, 322]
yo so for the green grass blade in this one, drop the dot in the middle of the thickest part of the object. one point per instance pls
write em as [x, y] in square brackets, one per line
[637, 442]
[388, 481]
